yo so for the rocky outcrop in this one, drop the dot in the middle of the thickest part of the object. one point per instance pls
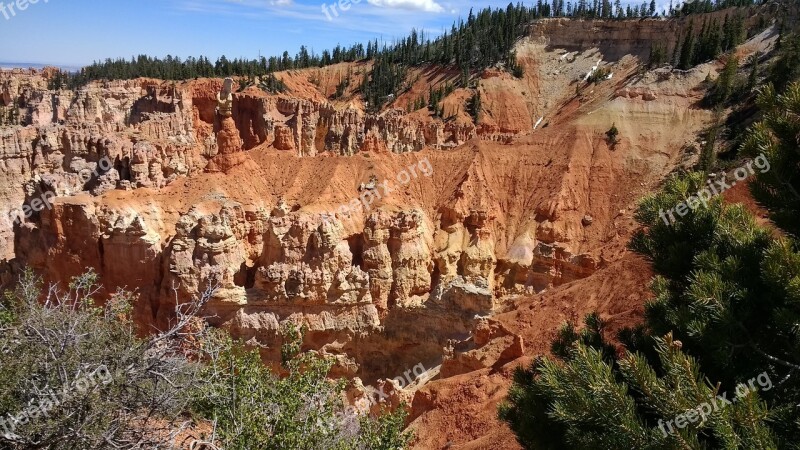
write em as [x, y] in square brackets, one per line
[113, 135]
[311, 127]
[491, 345]
[283, 138]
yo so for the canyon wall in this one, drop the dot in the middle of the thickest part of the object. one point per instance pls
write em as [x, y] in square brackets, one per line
[394, 238]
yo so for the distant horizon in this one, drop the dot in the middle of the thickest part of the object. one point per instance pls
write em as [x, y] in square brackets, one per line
[8, 65]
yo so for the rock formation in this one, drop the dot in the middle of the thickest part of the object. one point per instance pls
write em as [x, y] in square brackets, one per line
[243, 191]
[229, 144]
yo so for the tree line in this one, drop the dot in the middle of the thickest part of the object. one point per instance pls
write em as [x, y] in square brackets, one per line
[484, 39]
[714, 39]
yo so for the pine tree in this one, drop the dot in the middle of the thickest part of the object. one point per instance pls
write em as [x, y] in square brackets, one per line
[787, 67]
[612, 134]
[724, 85]
[475, 106]
[775, 138]
[590, 401]
[708, 153]
[658, 55]
[687, 50]
[752, 79]
[513, 67]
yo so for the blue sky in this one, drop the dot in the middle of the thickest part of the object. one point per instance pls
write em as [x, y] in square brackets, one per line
[76, 32]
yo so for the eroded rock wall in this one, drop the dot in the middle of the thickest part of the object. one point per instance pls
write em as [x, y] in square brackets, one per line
[156, 193]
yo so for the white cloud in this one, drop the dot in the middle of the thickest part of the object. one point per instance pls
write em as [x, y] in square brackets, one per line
[417, 5]
[280, 2]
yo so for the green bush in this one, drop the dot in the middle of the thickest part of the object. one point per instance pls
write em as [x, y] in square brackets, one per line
[599, 75]
[255, 408]
[775, 137]
[474, 107]
[612, 134]
[75, 375]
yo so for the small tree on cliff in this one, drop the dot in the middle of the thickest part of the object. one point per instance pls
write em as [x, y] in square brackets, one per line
[612, 134]
[658, 55]
[272, 84]
[687, 49]
[723, 87]
[475, 106]
[513, 66]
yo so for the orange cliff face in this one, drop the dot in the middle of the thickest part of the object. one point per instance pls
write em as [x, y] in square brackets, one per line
[397, 238]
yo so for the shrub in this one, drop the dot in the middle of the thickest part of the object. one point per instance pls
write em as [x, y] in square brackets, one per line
[775, 136]
[612, 134]
[272, 84]
[658, 55]
[513, 66]
[599, 75]
[256, 408]
[475, 106]
[79, 375]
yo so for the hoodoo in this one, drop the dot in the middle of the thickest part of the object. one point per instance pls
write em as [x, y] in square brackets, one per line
[229, 143]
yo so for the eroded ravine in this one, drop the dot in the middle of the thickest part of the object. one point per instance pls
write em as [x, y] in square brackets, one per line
[481, 218]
